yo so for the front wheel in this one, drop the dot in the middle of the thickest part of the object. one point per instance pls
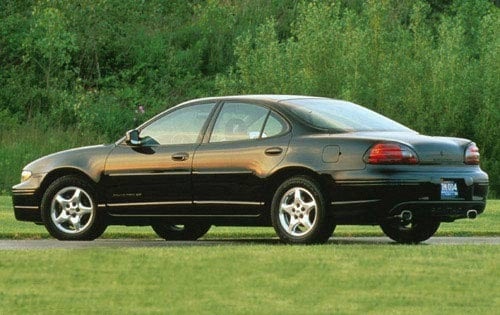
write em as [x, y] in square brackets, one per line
[413, 232]
[69, 210]
[298, 212]
[186, 232]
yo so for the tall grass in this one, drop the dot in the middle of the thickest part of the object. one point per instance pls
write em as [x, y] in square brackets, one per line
[21, 144]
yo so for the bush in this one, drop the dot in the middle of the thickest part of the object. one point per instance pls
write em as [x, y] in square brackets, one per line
[85, 66]
[438, 77]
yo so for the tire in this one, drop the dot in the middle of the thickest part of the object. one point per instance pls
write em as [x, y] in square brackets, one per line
[69, 210]
[298, 212]
[186, 232]
[414, 232]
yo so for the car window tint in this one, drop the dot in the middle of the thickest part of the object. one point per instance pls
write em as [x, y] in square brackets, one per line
[180, 126]
[341, 116]
[239, 121]
[274, 126]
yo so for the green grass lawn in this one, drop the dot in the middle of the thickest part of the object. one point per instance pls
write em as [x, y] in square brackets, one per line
[486, 224]
[251, 278]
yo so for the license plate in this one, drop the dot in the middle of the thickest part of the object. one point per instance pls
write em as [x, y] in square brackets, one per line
[449, 190]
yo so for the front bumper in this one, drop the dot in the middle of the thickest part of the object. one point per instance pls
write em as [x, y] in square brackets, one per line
[26, 205]
[26, 199]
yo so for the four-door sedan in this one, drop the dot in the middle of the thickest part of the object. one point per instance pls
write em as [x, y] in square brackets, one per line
[301, 164]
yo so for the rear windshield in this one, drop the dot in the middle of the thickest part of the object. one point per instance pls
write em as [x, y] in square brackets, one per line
[340, 116]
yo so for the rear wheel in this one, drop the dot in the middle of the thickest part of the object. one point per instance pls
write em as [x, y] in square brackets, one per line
[175, 232]
[298, 212]
[410, 232]
[69, 210]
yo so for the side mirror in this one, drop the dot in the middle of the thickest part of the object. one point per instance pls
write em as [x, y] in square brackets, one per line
[132, 137]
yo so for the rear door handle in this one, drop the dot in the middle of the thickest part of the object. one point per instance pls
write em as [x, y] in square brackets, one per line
[273, 151]
[180, 156]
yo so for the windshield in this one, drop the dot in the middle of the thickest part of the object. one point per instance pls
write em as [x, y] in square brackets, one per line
[340, 116]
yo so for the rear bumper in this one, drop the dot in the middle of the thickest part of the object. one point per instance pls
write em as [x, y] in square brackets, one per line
[370, 202]
[445, 211]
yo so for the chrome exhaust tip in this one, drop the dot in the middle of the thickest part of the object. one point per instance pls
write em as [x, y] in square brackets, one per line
[472, 214]
[406, 215]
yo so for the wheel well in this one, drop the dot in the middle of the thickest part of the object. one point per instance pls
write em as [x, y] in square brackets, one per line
[280, 176]
[52, 176]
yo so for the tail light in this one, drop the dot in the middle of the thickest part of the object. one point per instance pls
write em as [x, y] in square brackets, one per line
[471, 156]
[390, 153]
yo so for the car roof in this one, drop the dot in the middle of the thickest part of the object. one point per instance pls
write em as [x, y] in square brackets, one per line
[253, 97]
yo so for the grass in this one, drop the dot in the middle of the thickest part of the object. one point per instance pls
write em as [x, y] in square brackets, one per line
[253, 279]
[487, 224]
[20, 145]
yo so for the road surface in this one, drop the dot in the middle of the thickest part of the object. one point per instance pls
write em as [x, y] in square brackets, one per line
[137, 243]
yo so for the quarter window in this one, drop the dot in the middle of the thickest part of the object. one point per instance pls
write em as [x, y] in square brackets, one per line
[274, 126]
[182, 126]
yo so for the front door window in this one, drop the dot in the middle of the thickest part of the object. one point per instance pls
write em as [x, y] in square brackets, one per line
[182, 126]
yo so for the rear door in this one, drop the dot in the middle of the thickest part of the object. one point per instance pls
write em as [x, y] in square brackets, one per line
[246, 143]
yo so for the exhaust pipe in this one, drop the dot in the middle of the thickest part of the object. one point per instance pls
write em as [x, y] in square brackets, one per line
[405, 215]
[472, 214]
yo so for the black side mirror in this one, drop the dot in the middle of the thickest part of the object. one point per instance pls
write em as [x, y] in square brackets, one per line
[132, 137]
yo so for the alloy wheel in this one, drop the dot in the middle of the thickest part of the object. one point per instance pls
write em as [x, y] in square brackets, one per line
[297, 212]
[72, 210]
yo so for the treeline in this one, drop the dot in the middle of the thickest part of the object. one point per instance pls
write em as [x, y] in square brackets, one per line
[86, 66]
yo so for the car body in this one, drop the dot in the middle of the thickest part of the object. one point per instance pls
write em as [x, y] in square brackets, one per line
[301, 164]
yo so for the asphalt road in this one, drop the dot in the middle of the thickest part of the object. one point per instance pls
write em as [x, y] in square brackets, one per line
[137, 243]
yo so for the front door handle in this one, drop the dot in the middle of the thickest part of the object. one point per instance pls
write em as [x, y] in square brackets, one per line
[180, 156]
[273, 151]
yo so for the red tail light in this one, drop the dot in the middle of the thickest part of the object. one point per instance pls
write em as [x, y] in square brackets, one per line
[390, 153]
[472, 154]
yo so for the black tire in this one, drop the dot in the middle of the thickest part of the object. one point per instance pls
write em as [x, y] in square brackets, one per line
[298, 212]
[185, 232]
[69, 210]
[414, 232]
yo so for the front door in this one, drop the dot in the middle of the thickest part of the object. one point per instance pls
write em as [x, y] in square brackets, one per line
[155, 178]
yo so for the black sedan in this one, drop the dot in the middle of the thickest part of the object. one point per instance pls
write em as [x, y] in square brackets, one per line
[301, 164]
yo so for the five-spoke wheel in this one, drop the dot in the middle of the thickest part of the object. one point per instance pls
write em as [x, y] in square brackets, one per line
[72, 210]
[69, 210]
[299, 212]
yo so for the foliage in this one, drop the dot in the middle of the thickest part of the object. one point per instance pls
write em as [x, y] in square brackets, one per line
[440, 78]
[86, 66]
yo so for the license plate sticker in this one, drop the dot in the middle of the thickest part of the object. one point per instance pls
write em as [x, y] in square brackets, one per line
[449, 190]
